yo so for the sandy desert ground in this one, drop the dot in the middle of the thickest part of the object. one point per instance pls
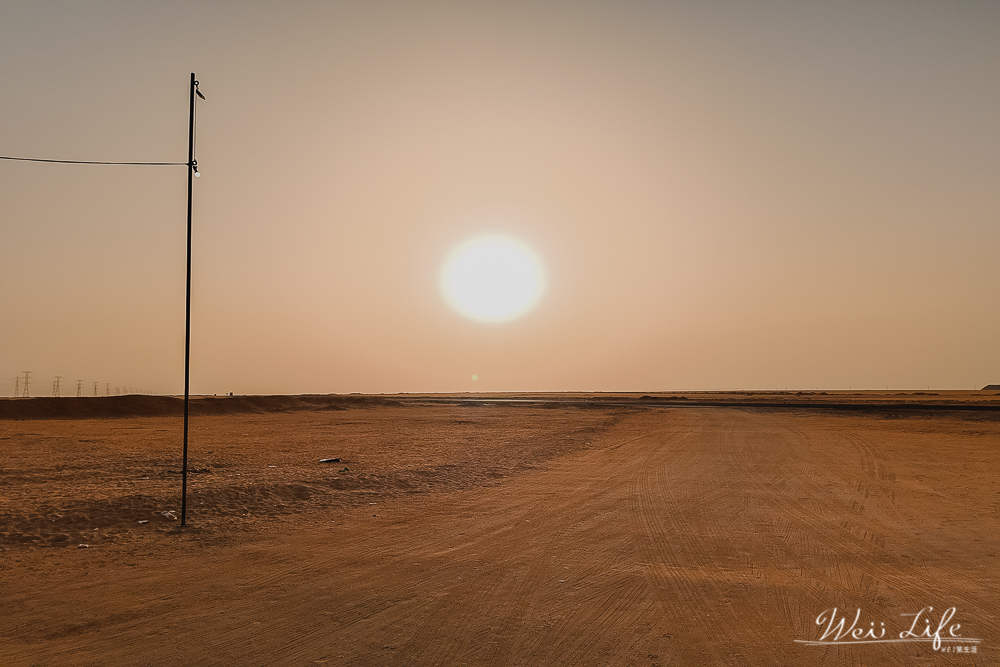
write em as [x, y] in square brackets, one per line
[586, 530]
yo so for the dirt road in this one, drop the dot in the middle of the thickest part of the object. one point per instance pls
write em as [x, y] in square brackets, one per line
[680, 537]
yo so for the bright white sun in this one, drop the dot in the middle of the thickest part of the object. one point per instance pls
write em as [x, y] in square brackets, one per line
[492, 279]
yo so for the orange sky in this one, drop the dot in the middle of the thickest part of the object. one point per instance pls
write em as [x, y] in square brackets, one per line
[723, 194]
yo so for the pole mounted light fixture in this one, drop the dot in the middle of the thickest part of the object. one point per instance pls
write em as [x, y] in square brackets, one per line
[192, 165]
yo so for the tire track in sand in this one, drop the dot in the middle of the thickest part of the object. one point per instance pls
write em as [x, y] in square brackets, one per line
[698, 588]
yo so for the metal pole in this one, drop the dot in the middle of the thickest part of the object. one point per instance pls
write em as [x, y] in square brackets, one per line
[187, 307]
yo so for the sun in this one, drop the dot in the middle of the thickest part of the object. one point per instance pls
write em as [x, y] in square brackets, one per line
[492, 279]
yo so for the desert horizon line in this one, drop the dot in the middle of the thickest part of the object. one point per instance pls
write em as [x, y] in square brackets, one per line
[130, 391]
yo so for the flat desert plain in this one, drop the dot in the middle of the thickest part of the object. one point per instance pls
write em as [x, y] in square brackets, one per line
[533, 530]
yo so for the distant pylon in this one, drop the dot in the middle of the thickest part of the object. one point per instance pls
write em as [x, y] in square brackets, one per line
[27, 376]
[79, 387]
[17, 386]
[95, 389]
[107, 388]
[56, 384]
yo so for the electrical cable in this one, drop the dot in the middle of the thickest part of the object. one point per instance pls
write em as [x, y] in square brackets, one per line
[35, 159]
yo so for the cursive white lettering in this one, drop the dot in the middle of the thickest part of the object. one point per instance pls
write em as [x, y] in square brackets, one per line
[936, 635]
[831, 619]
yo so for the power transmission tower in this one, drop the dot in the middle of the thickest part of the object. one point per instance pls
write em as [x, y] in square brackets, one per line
[107, 388]
[95, 389]
[79, 387]
[17, 386]
[56, 383]
[27, 376]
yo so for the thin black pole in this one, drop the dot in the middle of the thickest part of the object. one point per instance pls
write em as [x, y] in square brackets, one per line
[187, 306]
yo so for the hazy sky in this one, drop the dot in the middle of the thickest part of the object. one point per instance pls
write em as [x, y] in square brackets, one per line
[722, 194]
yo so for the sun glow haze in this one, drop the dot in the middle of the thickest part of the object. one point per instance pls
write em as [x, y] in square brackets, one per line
[762, 195]
[492, 279]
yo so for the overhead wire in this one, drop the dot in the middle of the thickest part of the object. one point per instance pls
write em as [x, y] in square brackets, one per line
[192, 164]
[35, 159]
